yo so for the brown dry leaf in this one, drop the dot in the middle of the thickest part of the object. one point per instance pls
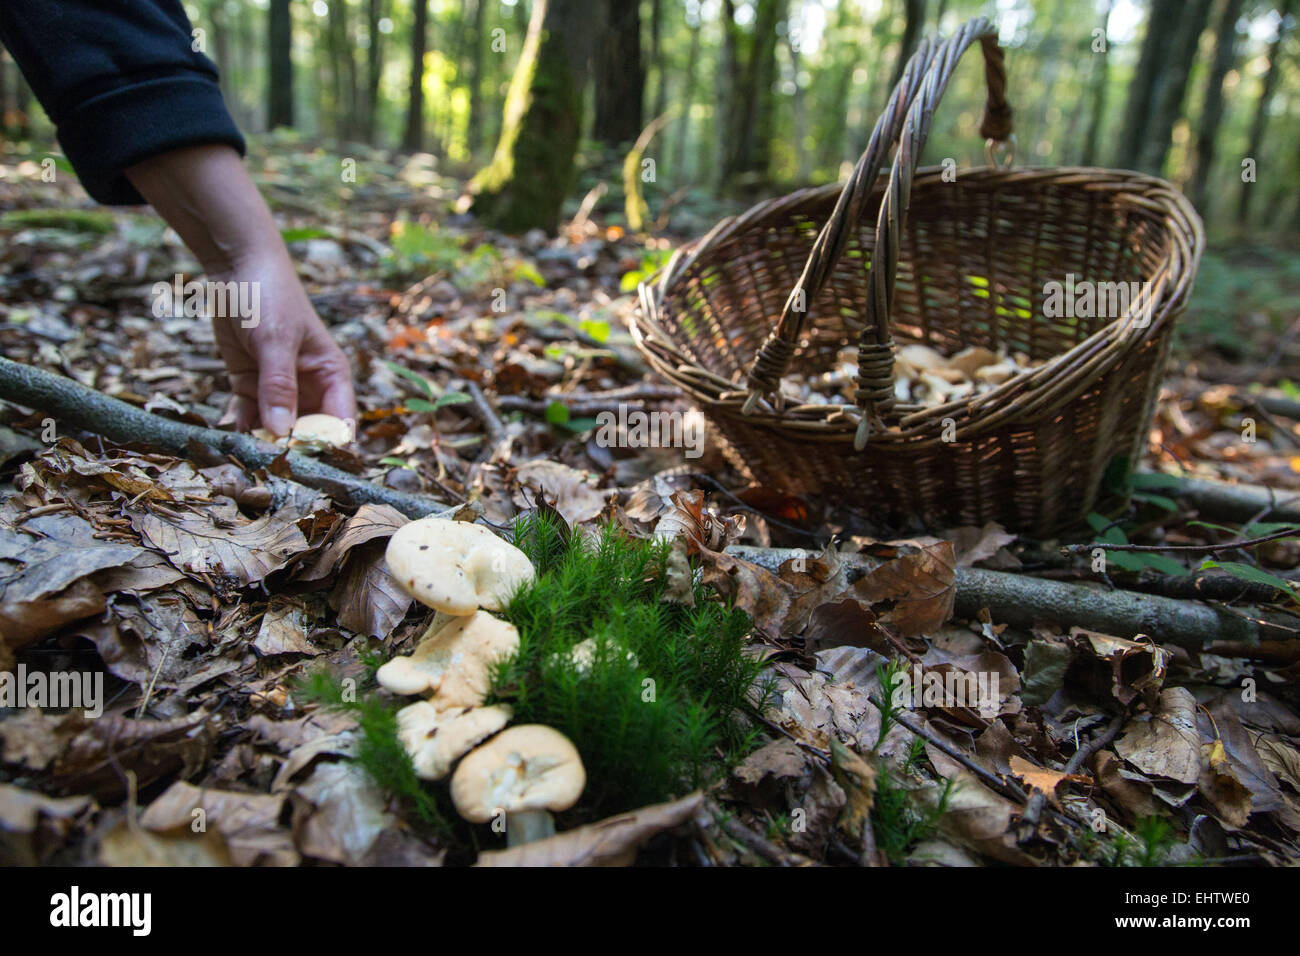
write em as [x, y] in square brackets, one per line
[370, 522]
[81, 755]
[248, 822]
[919, 588]
[972, 545]
[366, 596]
[32, 825]
[59, 550]
[1166, 743]
[1221, 788]
[25, 622]
[339, 813]
[979, 819]
[847, 623]
[817, 580]
[1042, 779]
[246, 551]
[568, 489]
[127, 846]
[610, 842]
[857, 778]
[756, 591]
[1133, 667]
[284, 630]
[150, 638]
[778, 761]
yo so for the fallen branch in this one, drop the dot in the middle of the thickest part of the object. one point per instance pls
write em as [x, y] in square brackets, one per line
[1022, 600]
[74, 406]
[1218, 499]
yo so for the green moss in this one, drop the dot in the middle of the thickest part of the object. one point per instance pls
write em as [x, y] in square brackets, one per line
[661, 699]
[72, 220]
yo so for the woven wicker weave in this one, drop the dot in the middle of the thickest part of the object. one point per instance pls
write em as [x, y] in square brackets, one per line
[950, 264]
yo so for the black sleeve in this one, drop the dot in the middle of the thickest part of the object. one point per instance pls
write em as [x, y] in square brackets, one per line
[121, 82]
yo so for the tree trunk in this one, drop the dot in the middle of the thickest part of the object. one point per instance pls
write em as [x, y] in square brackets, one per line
[1171, 86]
[279, 100]
[342, 71]
[374, 69]
[619, 75]
[914, 20]
[1162, 27]
[533, 168]
[660, 101]
[747, 99]
[1097, 95]
[413, 137]
[1207, 127]
[803, 158]
[1255, 142]
[688, 100]
[473, 136]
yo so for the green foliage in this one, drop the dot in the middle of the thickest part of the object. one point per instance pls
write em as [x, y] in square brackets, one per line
[437, 397]
[651, 263]
[660, 698]
[898, 821]
[97, 222]
[379, 751]
[1153, 839]
[1248, 572]
[1110, 533]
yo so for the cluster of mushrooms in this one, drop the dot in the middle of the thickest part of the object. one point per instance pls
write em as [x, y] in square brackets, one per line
[463, 571]
[922, 376]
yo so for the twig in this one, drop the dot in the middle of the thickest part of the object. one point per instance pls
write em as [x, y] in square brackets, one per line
[75, 406]
[1227, 546]
[1039, 798]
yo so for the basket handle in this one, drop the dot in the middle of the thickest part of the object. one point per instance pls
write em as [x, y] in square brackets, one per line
[906, 119]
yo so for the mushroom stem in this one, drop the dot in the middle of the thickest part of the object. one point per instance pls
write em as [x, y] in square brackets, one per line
[528, 826]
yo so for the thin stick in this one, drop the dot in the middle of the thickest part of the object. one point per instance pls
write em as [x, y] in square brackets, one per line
[1227, 546]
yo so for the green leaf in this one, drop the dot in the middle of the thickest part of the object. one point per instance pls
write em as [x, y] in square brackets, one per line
[1097, 522]
[630, 280]
[420, 405]
[395, 462]
[1152, 482]
[1247, 572]
[597, 329]
[525, 271]
[578, 425]
[451, 398]
[1162, 563]
[307, 232]
[1159, 501]
[1125, 561]
[557, 413]
[424, 384]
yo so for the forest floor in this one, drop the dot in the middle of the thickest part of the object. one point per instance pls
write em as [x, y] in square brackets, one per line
[1101, 748]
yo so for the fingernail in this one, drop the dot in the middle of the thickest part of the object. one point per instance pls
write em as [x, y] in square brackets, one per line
[279, 420]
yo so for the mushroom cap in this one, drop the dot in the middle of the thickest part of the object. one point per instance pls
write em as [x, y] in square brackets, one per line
[455, 566]
[529, 767]
[453, 665]
[436, 739]
[321, 429]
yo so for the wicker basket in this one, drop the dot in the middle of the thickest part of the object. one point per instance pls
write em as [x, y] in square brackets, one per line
[950, 264]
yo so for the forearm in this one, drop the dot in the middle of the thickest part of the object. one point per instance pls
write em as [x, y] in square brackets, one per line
[206, 195]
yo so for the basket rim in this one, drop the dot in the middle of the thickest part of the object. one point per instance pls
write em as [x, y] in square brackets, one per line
[1049, 386]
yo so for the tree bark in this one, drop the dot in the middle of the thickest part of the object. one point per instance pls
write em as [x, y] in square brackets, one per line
[74, 406]
[914, 20]
[1024, 601]
[1162, 27]
[619, 75]
[413, 136]
[688, 100]
[1255, 142]
[374, 69]
[279, 97]
[1207, 126]
[473, 136]
[1171, 86]
[533, 168]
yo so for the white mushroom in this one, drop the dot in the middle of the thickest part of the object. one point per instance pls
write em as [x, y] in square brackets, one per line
[454, 664]
[524, 773]
[313, 432]
[436, 739]
[455, 566]
[583, 655]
